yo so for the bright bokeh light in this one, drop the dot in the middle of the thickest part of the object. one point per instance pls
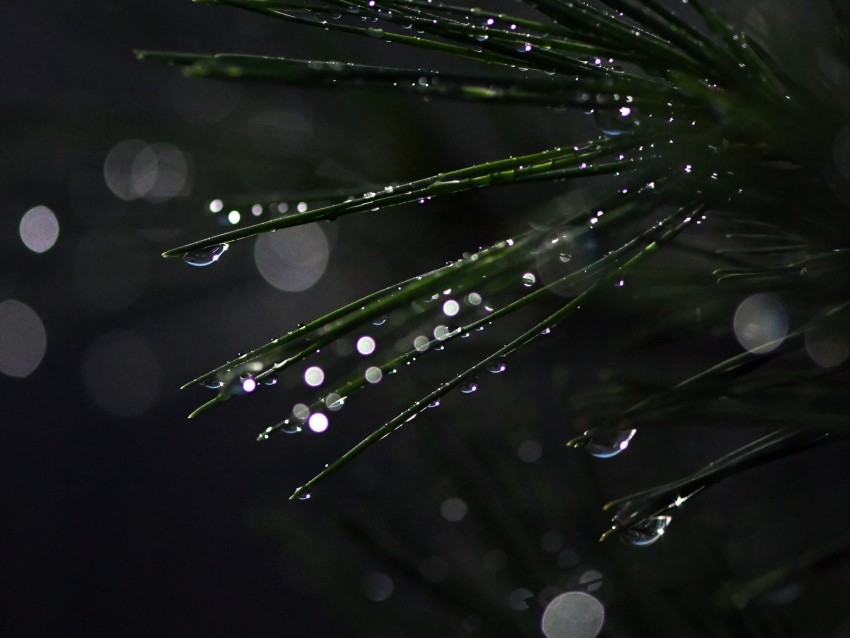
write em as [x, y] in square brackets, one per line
[318, 422]
[421, 343]
[761, 323]
[300, 411]
[314, 376]
[293, 259]
[122, 373]
[157, 172]
[365, 345]
[374, 374]
[39, 229]
[23, 339]
[573, 614]
[451, 308]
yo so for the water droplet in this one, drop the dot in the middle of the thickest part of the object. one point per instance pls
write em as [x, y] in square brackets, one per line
[205, 256]
[213, 383]
[269, 381]
[469, 387]
[615, 121]
[528, 279]
[565, 257]
[380, 321]
[290, 428]
[305, 496]
[607, 444]
[497, 367]
[647, 531]
[434, 404]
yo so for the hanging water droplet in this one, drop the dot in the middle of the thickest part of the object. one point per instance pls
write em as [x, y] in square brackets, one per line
[469, 387]
[290, 428]
[528, 279]
[565, 257]
[497, 367]
[607, 444]
[269, 381]
[305, 496]
[205, 256]
[615, 121]
[647, 531]
[213, 383]
[434, 404]
[380, 321]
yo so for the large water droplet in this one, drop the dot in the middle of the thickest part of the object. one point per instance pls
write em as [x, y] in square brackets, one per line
[497, 367]
[469, 387]
[647, 531]
[205, 256]
[528, 279]
[607, 444]
[615, 121]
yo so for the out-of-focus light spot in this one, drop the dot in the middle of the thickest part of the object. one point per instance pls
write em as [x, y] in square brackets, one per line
[441, 332]
[451, 308]
[761, 323]
[117, 286]
[216, 206]
[301, 207]
[234, 217]
[158, 172]
[318, 422]
[314, 376]
[374, 374]
[474, 298]
[294, 259]
[529, 451]
[121, 374]
[574, 614]
[453, 509]
[334, 401]
[23, 339]
[828, 342]
[249, 384]
[518, 597]
[256, 210]
[365, 345]
[39, 229]
[377, 586]
[591, 579]
[300, 411]
[421, 343]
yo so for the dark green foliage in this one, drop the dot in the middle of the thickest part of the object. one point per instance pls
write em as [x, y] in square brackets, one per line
[716, 183]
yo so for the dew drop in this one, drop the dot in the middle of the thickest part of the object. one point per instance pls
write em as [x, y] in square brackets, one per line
[213, 383]
[607, 444]
[205, 256]
[269, 381]
[647, 531]
[434, 404]
[497, 367]
[469, 387]
[528, 279]
[305, 496]
[565, 258]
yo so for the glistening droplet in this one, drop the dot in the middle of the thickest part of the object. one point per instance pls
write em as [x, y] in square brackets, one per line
[205, 256]
[647, 531]
[607, 444]
[305, 496]
[469, 387]
[497, 367]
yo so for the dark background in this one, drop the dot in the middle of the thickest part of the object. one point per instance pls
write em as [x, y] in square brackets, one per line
[121, 518]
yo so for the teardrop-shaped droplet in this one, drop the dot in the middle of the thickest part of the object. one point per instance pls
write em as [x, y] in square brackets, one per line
[469, 387]
[305, 496]
[615, 121]
[290, 428]
[272, 380]
[607, 444]
[647, 531]
[205, 256]
[497, 367]
[213, 383]
[434, 404]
